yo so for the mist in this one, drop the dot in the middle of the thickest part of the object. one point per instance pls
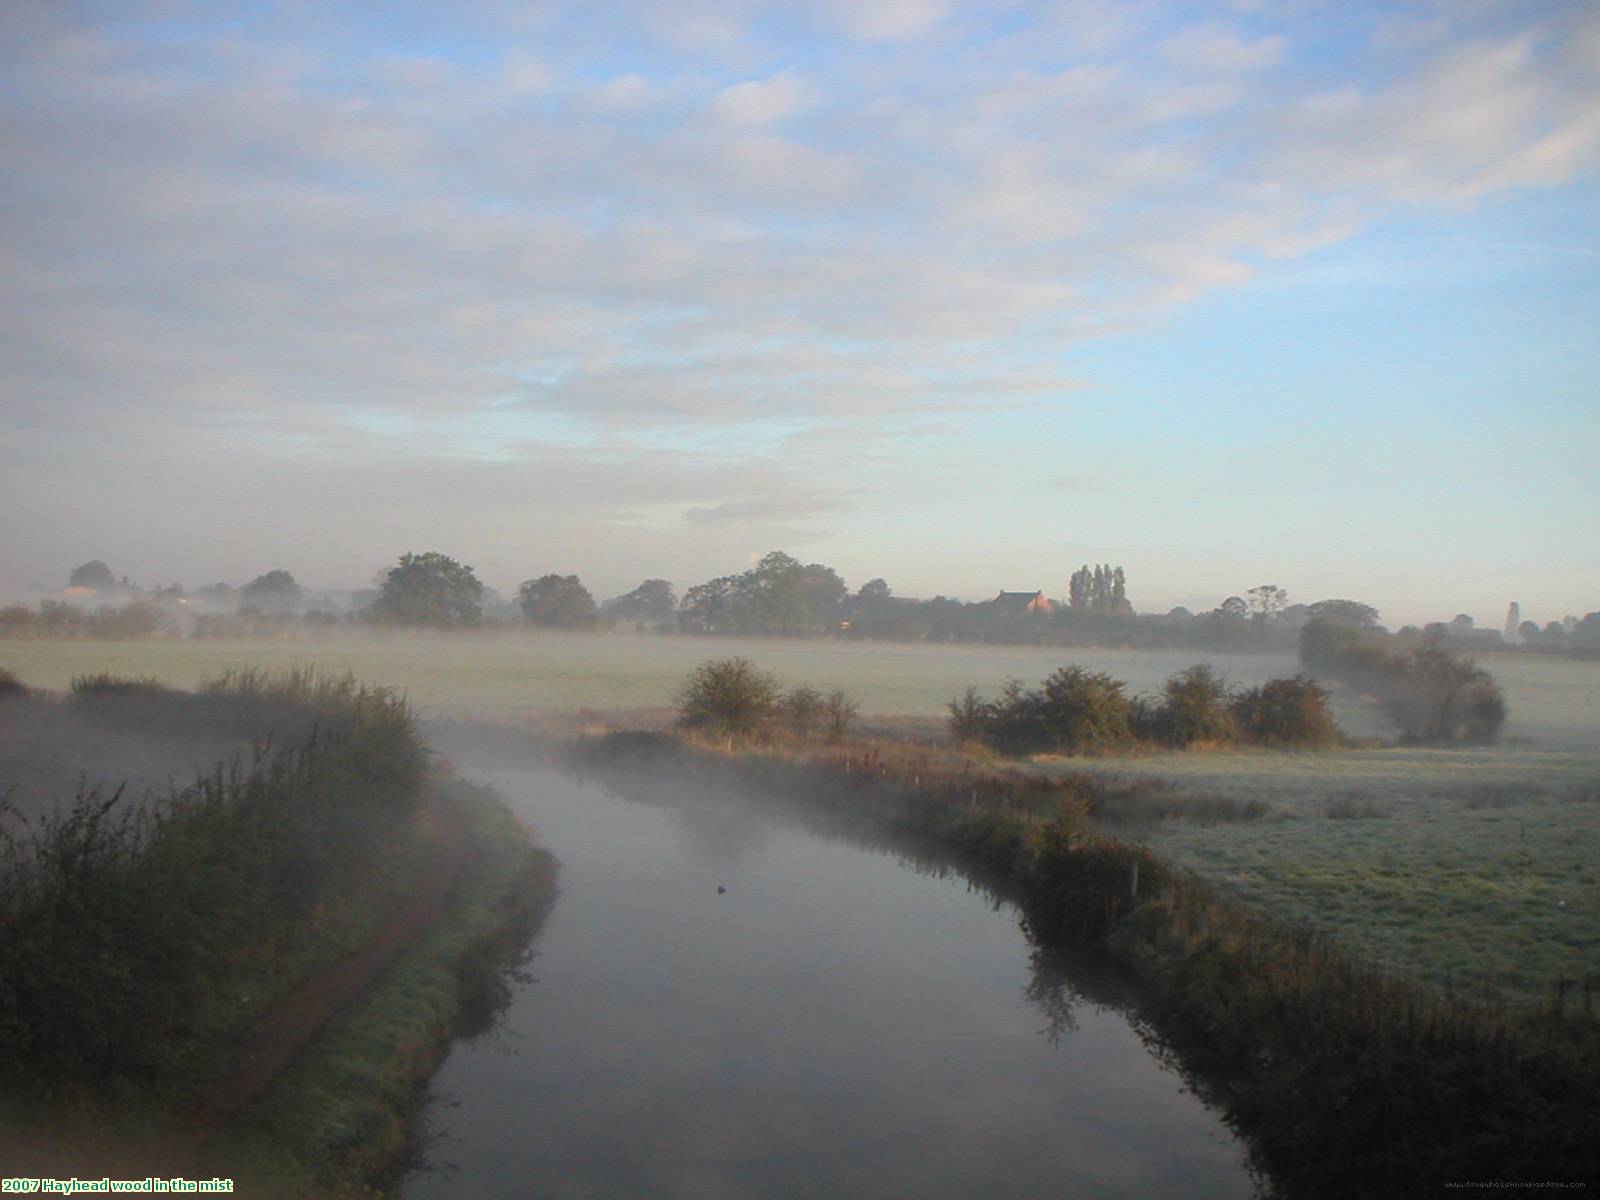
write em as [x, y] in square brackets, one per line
[881, 598]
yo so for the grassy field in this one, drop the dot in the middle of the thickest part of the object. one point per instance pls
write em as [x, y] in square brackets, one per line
[1473, 864]
[510, 676]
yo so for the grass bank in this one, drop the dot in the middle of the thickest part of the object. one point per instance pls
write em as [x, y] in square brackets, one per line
[1346, 1078]
[340, 1121]
[147, 944]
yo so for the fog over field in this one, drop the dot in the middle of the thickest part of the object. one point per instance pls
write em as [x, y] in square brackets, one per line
[1004, 595]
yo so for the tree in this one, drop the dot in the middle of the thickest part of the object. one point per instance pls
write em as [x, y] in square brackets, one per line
[652, 600]
[802, 708]
[1103, 589]
[92, 574]
[708, 607]
[1265, 601]
[1587, 631]
[430, 589]
[874, 590]
[1344, 612]
[275, 594]
[557, 602]
[730, 695]
[774, 595]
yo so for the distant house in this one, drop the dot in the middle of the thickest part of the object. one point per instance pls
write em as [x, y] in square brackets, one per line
[1023, 602]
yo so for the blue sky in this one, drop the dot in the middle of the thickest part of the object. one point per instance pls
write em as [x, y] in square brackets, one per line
[962, 295]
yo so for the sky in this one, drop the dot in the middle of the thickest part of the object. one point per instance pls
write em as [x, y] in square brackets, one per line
[960, 295]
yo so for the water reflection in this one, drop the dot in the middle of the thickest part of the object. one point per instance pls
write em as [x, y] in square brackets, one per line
[832, 1025]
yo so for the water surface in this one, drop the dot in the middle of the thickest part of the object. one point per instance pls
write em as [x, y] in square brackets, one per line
[835, 1024]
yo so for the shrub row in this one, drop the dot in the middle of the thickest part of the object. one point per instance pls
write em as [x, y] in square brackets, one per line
[1076, 711]
[118, 920]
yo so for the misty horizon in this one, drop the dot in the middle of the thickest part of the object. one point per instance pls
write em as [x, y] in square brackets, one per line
[958, 296]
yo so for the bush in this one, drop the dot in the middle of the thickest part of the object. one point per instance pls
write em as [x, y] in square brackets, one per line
[1436, 695]
[1084, 711]
[969, 716]
[1286, 712]
[1480, 710]
[10, 685]
[801, 710]
[1432, 693]
[729, 695]
[840, 710]
[1195, 709]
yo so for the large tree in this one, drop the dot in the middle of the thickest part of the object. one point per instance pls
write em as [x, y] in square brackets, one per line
[557, 602]
[276, 592]
[652, 600]
[430, 589]
[1344, 612]
[92, 574]
[1103, 589]
[1266, 600]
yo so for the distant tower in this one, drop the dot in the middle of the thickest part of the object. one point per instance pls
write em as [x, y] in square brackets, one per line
[1513, 620]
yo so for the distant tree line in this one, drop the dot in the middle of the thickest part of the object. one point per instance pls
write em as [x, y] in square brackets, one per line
[778, 596]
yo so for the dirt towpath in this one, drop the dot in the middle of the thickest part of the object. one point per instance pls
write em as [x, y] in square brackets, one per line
[285, 1028]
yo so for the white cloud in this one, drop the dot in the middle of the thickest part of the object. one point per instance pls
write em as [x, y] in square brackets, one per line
[885, 20]
[762, 101]
[206, 237]
[1221, 50]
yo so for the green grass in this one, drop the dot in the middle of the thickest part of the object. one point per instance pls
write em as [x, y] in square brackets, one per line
[1470, 869]
[487, 675]
[1468, 905]
[338, 1121]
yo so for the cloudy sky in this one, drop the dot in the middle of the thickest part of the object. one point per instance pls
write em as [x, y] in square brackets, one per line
[959, 294]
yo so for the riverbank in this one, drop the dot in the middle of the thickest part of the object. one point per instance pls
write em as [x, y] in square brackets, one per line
[1337, 1071]
[246, 978]
[338, 1121]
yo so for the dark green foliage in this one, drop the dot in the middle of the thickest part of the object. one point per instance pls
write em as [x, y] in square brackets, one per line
[92, 574]
[1350, 613]
[120, 919]
[10, 685]
[779, 595]
[557, 602]
[801, 710]
[1195, 709]
[969, 716]
[430, 589]
[839, 710]
[730, 695]
[1104, 589]
[652, 600]
[1084, 711]
[276, 592]
[1073, 712]
[1081, 712]
[1078, 886]
[1432, 693]
[1285, 712]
